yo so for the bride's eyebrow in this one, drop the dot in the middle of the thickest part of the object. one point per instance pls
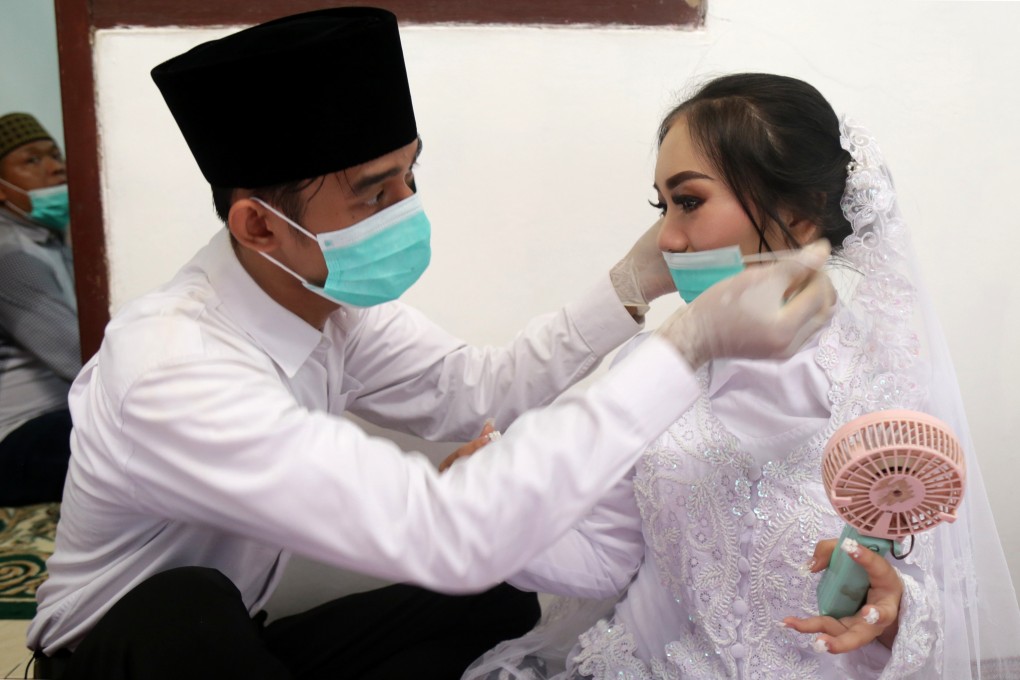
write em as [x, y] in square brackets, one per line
[684, 176]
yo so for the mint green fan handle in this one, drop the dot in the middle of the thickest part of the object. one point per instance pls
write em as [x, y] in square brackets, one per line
[844, 585]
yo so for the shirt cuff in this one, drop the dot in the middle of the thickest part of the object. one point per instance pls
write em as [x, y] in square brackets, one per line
[601, 318]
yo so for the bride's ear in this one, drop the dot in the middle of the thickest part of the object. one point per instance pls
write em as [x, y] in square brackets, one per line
[801, 229]
[804, 231]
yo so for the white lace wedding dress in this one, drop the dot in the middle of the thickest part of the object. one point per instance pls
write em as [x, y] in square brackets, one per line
[708, 538]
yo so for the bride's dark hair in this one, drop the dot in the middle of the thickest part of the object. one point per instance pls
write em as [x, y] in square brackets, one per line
[775, 140]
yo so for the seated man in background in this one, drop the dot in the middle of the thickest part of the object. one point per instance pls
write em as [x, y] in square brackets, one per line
[39, 346]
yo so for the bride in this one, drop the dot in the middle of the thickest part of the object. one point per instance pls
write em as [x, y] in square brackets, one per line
[707, 550]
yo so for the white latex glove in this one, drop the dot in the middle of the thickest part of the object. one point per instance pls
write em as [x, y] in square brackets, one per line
[766, 311]
[642, 274]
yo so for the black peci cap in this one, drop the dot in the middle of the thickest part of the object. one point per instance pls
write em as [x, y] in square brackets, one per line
[298, 97]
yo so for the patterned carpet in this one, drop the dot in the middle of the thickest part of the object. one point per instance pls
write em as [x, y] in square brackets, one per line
[26, 541]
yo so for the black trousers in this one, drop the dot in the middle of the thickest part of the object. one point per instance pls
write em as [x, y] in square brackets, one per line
[33, 460]
[190, 622]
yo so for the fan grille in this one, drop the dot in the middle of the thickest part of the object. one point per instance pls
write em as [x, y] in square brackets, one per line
[894, 473]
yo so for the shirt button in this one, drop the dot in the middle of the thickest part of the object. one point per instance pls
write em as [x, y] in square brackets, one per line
[737, 651]
[739, 607]
[749, 519]
[754, 472]
[743, 566]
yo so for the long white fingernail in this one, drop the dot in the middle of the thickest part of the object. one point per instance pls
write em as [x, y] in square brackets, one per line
[805, 569]
[494, 435]
[851, 547]
[820, 646]
[871, 617]
[781, 624]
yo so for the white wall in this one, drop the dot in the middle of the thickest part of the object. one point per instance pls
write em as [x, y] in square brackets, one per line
[29, 76]
[539, 147]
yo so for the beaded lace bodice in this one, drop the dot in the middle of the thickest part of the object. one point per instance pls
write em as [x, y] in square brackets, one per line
[727, 537]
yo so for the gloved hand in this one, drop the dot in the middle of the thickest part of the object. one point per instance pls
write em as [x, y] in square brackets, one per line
[764, 312]
[642, 274]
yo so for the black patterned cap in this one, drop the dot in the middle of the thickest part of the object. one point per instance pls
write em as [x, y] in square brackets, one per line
[18, 129]
[295, 98]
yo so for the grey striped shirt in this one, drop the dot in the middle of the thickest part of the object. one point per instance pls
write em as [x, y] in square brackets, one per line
[39, 348]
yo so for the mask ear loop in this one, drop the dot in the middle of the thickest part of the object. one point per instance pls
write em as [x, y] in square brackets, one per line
[11, 206]
[284, 218]
[900, 557]
[11, 186]
[277, 262]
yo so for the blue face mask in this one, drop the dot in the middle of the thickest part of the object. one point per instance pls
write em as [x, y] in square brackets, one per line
[694, 273]
[373, 261]
[49, 206]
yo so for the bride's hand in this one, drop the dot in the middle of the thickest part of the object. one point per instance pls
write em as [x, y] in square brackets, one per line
[877, 619]
[488, 434]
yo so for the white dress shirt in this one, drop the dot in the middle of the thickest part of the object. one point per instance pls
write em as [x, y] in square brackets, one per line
[209, 431]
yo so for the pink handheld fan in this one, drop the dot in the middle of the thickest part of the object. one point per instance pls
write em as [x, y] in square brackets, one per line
[888, 474]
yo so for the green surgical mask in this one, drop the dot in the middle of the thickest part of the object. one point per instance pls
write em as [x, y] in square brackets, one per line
[373, 261]
[694, 273]
[49, 206]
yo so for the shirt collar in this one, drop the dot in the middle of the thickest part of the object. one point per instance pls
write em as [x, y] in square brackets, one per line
[286, 338]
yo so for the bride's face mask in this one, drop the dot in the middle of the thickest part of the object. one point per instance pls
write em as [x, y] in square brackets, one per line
[694, 273]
